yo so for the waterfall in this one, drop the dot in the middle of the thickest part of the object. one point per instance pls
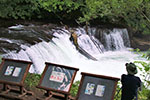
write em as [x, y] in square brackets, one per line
[115, 39]
[89, 43]
[60, 50]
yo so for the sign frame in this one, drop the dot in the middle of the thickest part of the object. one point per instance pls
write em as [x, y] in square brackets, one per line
[51, 91]
[7, 84]
[84, 74]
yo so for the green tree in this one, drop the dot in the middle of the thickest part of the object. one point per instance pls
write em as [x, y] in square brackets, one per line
[18, 8]
[61, 8]
[133, 13]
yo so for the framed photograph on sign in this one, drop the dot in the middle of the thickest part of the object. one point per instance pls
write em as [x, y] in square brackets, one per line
[100, 90]
[89, 88]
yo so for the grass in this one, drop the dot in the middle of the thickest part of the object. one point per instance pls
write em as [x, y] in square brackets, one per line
[32, 80]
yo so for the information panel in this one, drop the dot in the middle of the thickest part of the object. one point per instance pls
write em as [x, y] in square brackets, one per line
[13, 71]
[96, 87]
[57, 77]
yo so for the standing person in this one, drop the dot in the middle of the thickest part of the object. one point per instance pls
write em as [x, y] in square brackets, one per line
[74, 38]
[130, 83]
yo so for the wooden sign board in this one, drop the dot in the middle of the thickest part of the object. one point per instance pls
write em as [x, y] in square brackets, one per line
[96, 87]
[57, 78]
[13, 72]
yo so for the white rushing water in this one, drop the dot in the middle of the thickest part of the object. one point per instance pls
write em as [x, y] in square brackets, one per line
[61, 51]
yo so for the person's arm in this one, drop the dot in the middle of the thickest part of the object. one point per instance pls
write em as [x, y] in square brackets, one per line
[122, 78]
[140, 85]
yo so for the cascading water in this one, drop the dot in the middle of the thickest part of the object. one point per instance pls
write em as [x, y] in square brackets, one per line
[115, 39]
[60, 50]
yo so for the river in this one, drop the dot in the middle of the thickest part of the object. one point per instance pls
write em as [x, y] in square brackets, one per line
[111, 48]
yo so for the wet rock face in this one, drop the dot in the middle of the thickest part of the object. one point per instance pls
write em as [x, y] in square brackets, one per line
[6, 46]
[142, 43]
[12, 38]
[139, 40]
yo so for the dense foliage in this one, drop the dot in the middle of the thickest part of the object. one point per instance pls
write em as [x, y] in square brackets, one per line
[18, 8]
[144, 67]
[133, 13]
[32, 80]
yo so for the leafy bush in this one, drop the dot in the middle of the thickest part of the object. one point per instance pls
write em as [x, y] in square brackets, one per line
[60, 5]
[145, 69]
[18, 8]
[118, 92]
[74, 88]
[32, 80]
[144, 94]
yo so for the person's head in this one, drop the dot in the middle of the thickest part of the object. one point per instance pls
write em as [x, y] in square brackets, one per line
[72, 31]
[131, 68]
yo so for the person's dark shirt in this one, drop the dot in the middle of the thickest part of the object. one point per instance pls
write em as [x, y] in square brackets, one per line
[130, 85]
